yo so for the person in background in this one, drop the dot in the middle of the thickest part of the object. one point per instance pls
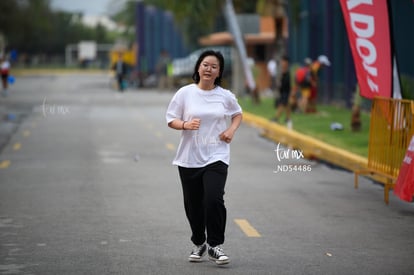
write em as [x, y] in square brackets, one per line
[162, 70]
[253, 91]
[272, 70]
[282, 103]
[14, 55]
[303, 83]
[4, 71]
[315, 67]
[208, 117]
[120, 68]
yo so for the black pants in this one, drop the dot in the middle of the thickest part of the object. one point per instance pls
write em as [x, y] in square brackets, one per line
[203, 190]
[120, 80]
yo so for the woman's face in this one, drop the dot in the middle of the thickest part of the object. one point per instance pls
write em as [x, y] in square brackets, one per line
[209, 68]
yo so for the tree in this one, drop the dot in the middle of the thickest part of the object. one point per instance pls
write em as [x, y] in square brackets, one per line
[31, 26]
[100, 33]
[195, 17]
[125, 16]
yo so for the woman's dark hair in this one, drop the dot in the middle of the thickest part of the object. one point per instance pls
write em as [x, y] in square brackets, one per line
[220, 58]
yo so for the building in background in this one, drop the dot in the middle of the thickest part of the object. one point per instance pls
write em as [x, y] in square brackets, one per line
[259, 35]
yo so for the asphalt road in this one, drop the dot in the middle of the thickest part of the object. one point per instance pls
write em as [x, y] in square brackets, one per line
[87, 187]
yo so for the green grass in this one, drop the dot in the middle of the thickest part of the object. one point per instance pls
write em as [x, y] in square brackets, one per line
[318, 125]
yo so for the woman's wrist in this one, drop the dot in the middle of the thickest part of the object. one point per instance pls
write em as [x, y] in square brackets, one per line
[183, 125]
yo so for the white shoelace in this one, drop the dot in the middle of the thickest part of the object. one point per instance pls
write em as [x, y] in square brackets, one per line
[197, 249]
[218, 251]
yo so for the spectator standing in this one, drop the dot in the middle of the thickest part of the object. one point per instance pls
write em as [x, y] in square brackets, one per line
[272, 70]
[120, 68]
[162, 69]
[4, 71]
[315, 67]
[282, 103]
[303, 83]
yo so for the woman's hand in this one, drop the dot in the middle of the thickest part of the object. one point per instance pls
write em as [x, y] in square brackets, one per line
[193, 124]
[227, 136]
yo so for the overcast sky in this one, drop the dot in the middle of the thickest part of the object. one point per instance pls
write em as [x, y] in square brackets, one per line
[87, 7]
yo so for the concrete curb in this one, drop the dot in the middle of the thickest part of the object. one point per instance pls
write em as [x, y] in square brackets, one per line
[311, 147]
[315, 149]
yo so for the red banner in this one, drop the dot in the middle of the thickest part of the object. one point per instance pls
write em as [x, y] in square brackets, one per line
[367, 24]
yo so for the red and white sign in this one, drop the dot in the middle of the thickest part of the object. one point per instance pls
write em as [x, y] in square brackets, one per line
[404, 187]
[367, 24]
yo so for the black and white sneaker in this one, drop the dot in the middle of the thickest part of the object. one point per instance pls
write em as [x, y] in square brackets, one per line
[198, 252]
[216, 254]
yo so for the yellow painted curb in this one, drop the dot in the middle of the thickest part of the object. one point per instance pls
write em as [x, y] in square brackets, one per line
[311, 147]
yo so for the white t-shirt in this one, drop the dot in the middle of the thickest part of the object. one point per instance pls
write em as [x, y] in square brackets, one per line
[272, 67]
[215, 109]
[5, 66]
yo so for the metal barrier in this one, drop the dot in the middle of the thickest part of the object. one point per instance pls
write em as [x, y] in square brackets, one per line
[391, 129]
